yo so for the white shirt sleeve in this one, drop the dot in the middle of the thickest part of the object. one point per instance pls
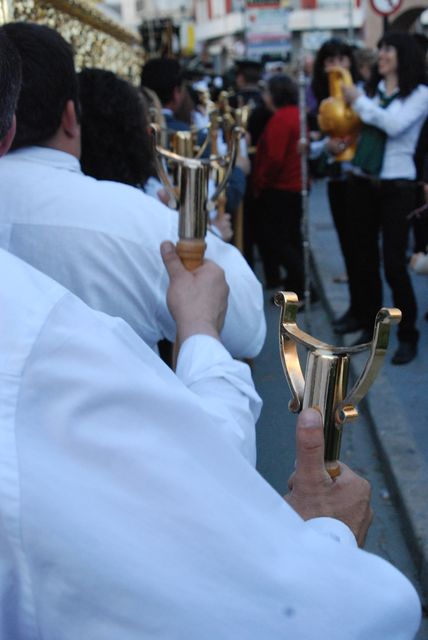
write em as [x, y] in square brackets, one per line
[225, 387]
[333, 528]
[317, 147]
[395, 122]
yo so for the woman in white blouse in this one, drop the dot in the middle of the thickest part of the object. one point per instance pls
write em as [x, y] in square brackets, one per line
[382, 188]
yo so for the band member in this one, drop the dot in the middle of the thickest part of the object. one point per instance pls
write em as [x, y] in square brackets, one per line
[383, 190]
[164, 77]
[100, 239]
[246, 91]
[116, 144]
[128, 511]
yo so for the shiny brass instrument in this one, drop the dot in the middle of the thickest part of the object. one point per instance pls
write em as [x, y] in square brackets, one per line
[234, 118]
[226, 114]
[336, 118]
[218, 171]
[191, 194]
[325, 383]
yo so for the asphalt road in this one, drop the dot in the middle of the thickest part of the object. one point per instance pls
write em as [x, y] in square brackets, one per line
[389, 535]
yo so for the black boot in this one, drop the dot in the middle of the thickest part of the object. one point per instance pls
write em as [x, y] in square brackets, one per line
[405, 353]
[349, 324]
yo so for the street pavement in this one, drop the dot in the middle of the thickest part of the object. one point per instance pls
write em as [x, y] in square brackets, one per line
[388, 444]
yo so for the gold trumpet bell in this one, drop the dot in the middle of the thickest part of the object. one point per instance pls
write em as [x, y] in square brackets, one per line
[336, 118]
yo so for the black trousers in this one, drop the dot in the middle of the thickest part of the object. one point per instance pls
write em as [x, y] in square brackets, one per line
[279, 236]
[337, 197]
[379, 209]
[420, 225]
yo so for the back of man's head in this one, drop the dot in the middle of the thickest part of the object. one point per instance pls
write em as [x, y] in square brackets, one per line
[162, 75]
[10, 82]
[48, 81]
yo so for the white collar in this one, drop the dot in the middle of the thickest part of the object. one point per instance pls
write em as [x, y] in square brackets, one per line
[49, 156]
[381, 87]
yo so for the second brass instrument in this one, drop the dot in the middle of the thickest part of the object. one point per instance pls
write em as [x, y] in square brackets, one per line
[336, 118]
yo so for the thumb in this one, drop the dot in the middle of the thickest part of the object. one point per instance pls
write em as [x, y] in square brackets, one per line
[171, 259]
[310, 446]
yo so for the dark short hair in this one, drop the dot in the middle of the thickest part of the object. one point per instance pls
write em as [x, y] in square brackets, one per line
[250, 70]
[48, 81]
[330, 49]
[411, 69]
[283, 90]
[162, 75]
[10, 82]
[115, 141]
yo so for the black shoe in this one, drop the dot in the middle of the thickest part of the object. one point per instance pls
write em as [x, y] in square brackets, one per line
[364, 337]
[426, 316]
[347, 326]
[315, 296]
[405, 353]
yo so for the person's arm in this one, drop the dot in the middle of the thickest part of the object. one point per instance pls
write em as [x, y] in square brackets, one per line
[136, 514]
[128, 512]
[197, 301]
[244, 329]
[393, 123]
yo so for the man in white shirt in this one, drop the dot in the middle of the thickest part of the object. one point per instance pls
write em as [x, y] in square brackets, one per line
[99, 239]
[126, 508]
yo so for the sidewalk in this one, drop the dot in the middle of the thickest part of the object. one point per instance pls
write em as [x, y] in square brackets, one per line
[397, 404]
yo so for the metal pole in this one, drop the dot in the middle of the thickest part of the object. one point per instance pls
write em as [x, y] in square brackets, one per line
[305, 187]
[351, 21]
[385, 25]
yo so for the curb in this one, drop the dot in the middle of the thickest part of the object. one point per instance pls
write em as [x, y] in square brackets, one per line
[405, 469]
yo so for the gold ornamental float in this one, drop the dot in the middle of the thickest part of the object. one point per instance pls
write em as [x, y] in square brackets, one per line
[97, 39]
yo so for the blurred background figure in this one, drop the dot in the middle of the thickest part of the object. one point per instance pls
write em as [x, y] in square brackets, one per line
[277, 185]
[383, 189]
[115, 140]
[164, 77]
[365, 61]
[335, 53]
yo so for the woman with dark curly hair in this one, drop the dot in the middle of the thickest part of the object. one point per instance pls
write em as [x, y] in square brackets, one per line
[115, 139]
[335, 53]
[383, 189]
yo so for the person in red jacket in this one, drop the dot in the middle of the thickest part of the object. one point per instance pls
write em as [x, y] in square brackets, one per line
[277, 185]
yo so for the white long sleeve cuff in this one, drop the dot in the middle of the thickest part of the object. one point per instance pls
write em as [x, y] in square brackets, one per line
[209, 371]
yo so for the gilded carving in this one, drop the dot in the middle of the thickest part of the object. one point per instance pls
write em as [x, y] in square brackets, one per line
[98, 41]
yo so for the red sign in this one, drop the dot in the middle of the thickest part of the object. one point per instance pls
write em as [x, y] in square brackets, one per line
[386, 7]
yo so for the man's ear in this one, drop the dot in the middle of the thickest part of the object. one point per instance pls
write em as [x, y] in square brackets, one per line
[69, 121]
[8, 138]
